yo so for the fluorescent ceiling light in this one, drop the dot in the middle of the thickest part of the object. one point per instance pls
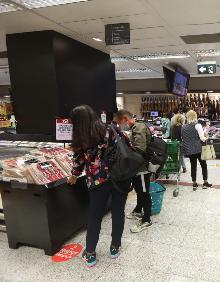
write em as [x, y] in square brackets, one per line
[120, 59]
[210, 91]
[7, 7]
[34, 4]
[120, 93]
[133, 70]
[151, 56]
[161, 57]
[97, 39]
[6, 96]
[207, 53]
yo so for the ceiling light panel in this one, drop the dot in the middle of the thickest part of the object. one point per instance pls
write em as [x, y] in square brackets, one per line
[34, 4]
[7, 7]
[133, 70]
[207, 53]
[151, 56]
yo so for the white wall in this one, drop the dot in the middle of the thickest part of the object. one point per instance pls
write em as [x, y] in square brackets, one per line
[132, 103]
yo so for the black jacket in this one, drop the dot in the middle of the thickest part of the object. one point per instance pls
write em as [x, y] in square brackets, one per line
[176, 133]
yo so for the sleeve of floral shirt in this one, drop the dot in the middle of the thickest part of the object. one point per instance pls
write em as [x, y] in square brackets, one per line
[78, 164]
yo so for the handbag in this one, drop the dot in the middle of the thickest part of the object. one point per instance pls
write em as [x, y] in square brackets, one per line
[208, 152]
[123, 162]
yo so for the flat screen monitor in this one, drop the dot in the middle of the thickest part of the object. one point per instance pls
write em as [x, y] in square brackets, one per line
[154, 114]
[180, 83]
[169, 76]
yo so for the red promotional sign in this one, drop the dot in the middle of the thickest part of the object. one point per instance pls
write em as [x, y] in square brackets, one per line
[67, 253]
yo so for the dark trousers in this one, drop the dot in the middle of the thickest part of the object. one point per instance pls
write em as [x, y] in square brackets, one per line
[193, 161]
[98, 200]
[143, 197]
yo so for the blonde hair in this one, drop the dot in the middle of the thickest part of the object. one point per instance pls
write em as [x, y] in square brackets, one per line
[191, 117]
[179, 120]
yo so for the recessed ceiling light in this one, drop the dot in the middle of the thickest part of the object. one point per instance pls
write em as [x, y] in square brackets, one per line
[120, 93]
[34, 4]
[97, 39]
[151, 56]
[6, 96]
[210, 91]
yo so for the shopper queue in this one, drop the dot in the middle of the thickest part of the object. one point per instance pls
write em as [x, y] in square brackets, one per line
[93, 141]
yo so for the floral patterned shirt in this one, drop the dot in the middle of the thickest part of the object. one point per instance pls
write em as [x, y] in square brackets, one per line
[93, 161]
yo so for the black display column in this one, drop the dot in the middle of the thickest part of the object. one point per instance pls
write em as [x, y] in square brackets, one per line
[51, 73]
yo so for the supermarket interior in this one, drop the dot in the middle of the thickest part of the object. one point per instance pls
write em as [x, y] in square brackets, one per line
[153, 58]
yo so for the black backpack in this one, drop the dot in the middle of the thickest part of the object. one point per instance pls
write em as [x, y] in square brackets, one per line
[123, 162]
[156, 152]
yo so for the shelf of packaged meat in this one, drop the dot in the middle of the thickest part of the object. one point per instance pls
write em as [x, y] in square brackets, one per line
[40, 208]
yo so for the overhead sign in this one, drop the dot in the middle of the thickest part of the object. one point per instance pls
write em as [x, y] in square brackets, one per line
[117, 34]
[206, 67]
[64, 129]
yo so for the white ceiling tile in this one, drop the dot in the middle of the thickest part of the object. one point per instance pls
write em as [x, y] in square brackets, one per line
[92, 10]
[22, 21]
[198, 29]
[188, 11]
[144, 50]
[138, 21]
[204, 46]
[146, 43]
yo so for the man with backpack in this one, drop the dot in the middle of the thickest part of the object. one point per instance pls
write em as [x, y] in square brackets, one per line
[140, 136]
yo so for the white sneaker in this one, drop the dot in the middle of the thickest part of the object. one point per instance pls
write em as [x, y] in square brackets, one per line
[140, 226]
[135, 215]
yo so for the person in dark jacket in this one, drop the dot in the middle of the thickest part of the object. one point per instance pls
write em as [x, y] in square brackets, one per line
[193, 136]
[140, 135]
[91, 139]
[176, 128]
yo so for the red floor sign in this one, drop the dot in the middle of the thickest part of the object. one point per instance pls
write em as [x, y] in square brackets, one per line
[67, 253]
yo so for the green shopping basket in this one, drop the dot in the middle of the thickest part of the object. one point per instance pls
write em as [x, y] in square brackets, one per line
[156, 192]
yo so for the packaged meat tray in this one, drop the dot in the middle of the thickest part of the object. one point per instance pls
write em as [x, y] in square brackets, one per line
[46, 172]
[52, 152]
[66, 162]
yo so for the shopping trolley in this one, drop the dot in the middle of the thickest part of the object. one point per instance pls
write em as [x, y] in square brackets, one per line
[172, 165]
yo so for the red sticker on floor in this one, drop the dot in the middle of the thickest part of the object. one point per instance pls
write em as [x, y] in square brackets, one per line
[67, 253]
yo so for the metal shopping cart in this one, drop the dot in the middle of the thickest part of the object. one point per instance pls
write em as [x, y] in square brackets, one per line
[172, 165]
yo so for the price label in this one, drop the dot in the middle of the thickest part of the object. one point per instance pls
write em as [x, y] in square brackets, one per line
[64, 130]
[103, 117]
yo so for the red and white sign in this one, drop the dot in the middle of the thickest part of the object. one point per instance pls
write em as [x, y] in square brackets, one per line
[67, 253]
[64, 129]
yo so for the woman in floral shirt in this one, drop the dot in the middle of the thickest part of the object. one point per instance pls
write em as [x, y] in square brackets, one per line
[91, 139]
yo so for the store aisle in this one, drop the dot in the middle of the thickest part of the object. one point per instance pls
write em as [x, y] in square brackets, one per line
[182, 245]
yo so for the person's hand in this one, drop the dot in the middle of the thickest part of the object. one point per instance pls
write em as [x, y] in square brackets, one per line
[72, 180]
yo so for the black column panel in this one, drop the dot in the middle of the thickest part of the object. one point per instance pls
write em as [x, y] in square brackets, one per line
[33, 81]
[51, 73]
[84, 76]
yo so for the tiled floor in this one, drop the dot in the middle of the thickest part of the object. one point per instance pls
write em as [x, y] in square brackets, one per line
[183, 244]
